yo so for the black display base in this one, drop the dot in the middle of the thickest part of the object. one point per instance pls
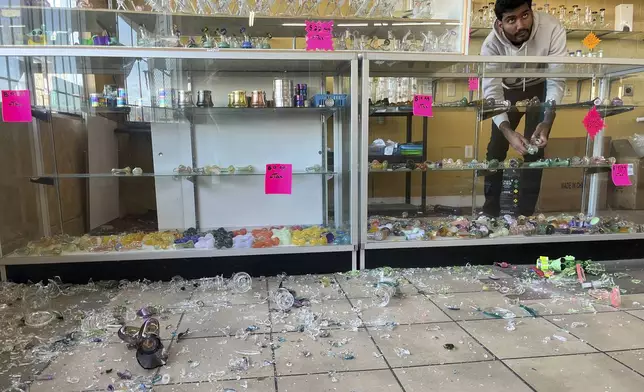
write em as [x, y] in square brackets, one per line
[514, 254]
[192, 268]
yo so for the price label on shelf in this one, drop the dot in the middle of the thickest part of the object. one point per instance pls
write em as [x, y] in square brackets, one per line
[16, 106]
[619, 174]
[278, 179]
[423, 105]
[473, 84]
[319, 35]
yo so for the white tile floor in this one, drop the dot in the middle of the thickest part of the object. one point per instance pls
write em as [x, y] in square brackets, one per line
[361, 347]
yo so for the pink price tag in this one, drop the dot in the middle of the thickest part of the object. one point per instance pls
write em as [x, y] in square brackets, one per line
[319, 35]
[616, 297]
[423, 105]
[619, 174]
[16, 106]
[593, 122]
[473, 84]
[278, 179]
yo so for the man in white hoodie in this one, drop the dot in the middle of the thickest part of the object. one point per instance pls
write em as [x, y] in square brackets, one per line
[519, 31]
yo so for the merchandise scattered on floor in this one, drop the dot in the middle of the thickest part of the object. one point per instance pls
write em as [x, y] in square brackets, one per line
[501, 327]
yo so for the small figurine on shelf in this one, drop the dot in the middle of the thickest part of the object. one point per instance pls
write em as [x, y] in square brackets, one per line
[37, 36]
[120, 5]
[83, 4]
[191, 43]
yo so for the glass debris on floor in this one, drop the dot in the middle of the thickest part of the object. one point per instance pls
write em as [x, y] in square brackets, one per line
[232, 332]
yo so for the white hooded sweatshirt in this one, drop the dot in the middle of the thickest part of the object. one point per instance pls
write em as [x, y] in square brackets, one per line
[548, 38]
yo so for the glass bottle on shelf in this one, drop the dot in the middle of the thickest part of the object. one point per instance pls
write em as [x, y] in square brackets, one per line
[562, 14]
[491, 16]
[546, 8]
[479, 18]
[588, 17]
[602, 18]
[486, 15]
[594, 20]
[576, 21]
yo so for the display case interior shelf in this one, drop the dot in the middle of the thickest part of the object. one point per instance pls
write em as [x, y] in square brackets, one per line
[98, 20]
[482, 32]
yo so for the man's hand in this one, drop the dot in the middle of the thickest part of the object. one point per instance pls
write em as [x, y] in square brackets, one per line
[540, 136]
[517, 141]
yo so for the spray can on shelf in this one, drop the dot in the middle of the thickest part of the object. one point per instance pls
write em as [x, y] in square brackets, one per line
[95, 100]
[121, 98]
[163, 101]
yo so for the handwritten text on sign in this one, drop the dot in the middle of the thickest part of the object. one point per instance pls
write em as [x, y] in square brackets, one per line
[319, 35]
[16, 106]
[423, 105]
[278, 179]
[619, 174]
[473, 84]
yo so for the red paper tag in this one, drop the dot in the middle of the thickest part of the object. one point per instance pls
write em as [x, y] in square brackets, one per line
[16, 106]
[581, 275]
[616, 297]
[619, 174]
[473, 84]
[593, 122]
[278, 179]
[423, 105]
[319, 35]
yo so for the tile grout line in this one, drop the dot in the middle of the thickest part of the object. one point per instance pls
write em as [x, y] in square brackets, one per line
[600, 351]
[270, 320]
[476, 340]
[372, 339]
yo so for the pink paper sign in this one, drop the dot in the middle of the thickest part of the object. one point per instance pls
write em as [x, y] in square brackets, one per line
[319, 35]
[473, 84]
[16, 106]
[616, 297]
[619, 174]
[423, 105]
[278, 179]
[593, 122]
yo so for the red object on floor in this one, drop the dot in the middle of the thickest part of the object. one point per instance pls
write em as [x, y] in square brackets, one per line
[538, 272]
[502, 264]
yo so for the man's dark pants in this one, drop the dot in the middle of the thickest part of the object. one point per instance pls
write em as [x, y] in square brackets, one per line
[530, 180]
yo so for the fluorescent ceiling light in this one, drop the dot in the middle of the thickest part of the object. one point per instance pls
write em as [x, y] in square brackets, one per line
[452, 23]
[353, 24]
[416, 24]
[381, 24]
[294, 24]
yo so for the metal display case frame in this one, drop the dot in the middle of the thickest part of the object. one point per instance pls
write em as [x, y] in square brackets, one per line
[343, 149]
[599, 71]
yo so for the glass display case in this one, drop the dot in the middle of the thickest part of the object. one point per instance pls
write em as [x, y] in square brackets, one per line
[161, 154]
[364, 25]
[447, 180]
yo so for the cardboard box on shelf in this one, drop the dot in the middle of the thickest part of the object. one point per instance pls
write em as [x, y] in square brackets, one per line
[627, 197]
[561, 189]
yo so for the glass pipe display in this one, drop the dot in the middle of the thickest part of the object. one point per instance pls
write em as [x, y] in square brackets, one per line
[460, 227]
[491, 166]
[417, 9]
[220, 238]
[426, 42]
[575, 18]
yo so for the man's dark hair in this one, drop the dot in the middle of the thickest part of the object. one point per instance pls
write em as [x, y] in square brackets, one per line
[503, 6]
